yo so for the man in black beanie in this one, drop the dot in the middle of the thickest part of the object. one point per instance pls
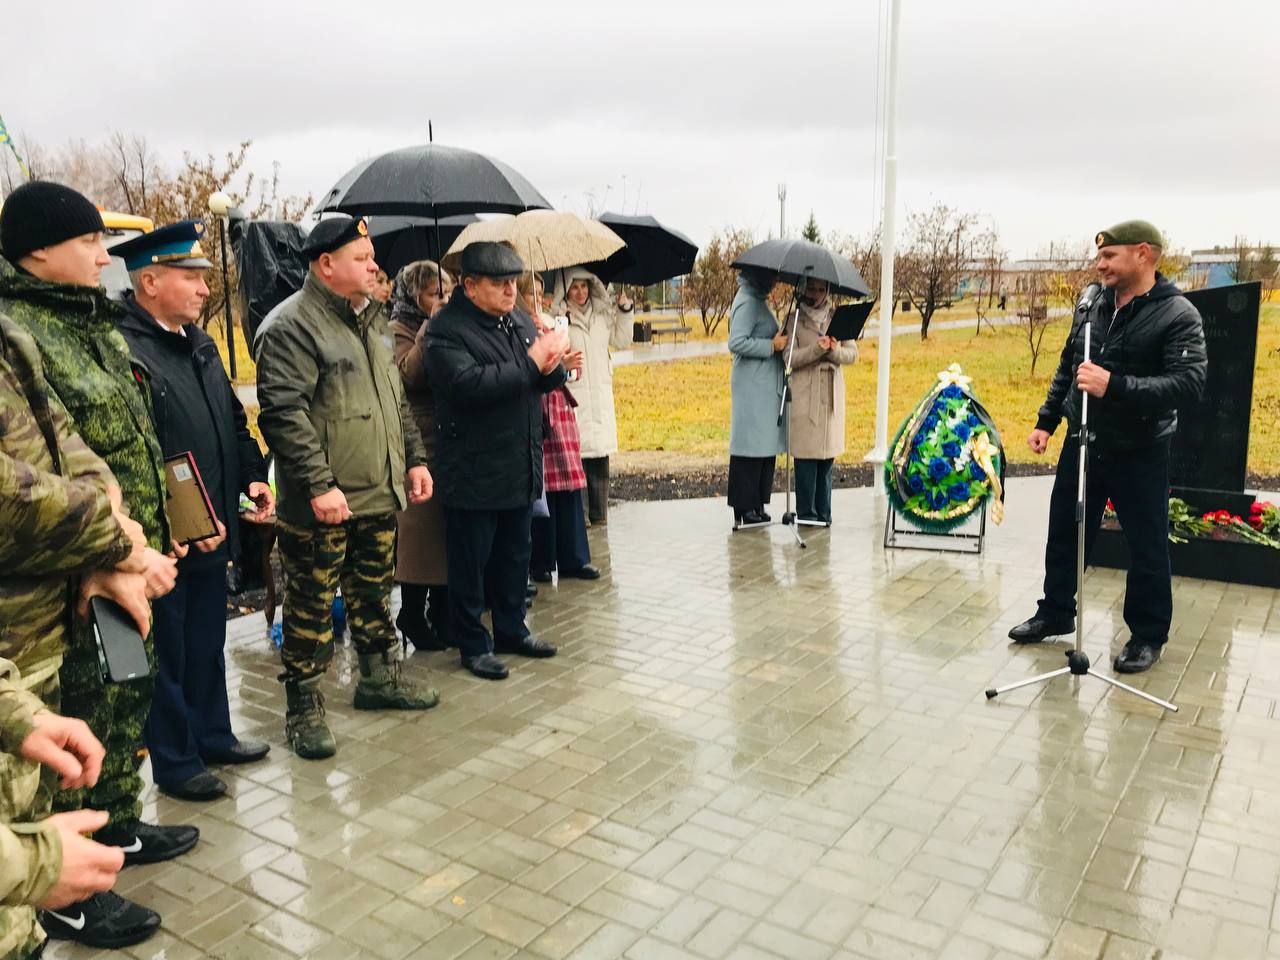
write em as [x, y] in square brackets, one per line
[51, 241]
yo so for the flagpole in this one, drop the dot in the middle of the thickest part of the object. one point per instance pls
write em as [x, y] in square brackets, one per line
[884, 341]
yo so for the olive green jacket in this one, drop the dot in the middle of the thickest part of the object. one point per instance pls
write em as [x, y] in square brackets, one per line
[333, 409]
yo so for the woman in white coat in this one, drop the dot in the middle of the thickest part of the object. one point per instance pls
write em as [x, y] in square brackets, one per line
[817, 404]
[595, 325]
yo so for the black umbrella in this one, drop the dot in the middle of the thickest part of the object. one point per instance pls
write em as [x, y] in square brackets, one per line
[431, 181]
[794, 260]
[653, 253]
[398, 241]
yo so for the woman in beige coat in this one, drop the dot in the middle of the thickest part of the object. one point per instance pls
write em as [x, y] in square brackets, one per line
[421, 290]
[595, 325]
[817, 404]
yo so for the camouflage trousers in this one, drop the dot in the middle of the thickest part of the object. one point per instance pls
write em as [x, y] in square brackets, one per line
[117, 715]
[359, 555]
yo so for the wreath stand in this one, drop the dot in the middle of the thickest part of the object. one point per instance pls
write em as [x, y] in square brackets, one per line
[901, 534]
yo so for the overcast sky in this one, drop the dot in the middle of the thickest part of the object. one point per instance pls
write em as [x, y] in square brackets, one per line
[1053, 118]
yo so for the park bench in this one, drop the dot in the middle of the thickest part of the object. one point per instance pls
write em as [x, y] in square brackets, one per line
[669, 328]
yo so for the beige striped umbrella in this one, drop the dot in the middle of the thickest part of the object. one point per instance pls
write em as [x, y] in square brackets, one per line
[545, 239]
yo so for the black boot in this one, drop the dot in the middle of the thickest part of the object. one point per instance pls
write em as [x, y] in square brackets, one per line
[412, 620]
[438, 615]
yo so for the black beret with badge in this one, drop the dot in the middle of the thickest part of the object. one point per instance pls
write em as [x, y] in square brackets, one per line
[331, 233]
[1129, 232]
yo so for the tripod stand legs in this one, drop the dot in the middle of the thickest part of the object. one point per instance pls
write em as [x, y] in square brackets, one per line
[1078, 665]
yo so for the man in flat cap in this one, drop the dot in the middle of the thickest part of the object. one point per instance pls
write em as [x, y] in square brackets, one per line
[51, 240]
[489, 368]
[195, 411]
[1147, 359]
[334, 413]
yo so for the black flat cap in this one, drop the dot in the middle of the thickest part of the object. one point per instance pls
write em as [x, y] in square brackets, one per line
[331, 233]
[488, 259]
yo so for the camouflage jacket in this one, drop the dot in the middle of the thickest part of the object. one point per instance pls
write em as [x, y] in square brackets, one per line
[30, 854]
[86, 362]
[55, 516]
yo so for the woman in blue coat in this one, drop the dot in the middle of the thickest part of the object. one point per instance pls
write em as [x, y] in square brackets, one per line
[755, 436]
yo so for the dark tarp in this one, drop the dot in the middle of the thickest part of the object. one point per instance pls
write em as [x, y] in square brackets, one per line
[271, 266]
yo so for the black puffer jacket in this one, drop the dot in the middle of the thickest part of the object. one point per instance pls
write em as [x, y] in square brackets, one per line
[1154, 348]
[488, 397]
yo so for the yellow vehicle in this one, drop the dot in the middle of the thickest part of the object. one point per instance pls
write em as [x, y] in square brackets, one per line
[120, 227]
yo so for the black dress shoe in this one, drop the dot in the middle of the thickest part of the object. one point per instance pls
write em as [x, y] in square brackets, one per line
[765, 515]
[1037, 628]
[244, 751]
[538, 576]
[752, 519]
[486, 667]
[1137, 656]
[148, 842]
[199, 788]
[587, 572]
[106, 921]
[527, 647]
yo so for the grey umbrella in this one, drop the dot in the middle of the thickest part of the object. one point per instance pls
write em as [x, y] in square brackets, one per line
[794, 260]
[431, 180]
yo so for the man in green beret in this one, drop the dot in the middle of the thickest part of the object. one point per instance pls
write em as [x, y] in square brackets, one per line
[333, 412]
[1147, 358]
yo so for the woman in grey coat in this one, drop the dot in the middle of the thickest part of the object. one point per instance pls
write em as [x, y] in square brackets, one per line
[755, 436]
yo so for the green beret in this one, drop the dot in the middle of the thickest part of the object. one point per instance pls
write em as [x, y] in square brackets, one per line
[1128, 232]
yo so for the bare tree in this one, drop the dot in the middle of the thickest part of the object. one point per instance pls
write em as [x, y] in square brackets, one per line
[711, 286]
[932, 262]
[986, 267]
[1034, 320]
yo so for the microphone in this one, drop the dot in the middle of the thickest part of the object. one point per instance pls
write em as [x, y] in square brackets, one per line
[1088, 296]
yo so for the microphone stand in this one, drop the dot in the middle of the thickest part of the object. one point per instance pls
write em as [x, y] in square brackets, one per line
[784, 408]
[1077, 659]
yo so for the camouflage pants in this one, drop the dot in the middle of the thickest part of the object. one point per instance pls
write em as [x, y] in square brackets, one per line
[117, 715]
[359, 555]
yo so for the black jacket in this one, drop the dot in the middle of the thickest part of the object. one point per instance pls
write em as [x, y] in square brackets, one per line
[488, 397]
[195, 408]
[1154, 348]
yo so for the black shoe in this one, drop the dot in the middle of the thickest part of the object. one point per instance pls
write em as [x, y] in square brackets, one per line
[530, 589]
[753, 518]
[764, 514]
[527, 647]
[1137, 656]
[243, 751]
[537, 576]
[106, 920]
[587, 572]
[418, 632]
[1036, 629]
[486, 667]
[200, 788]
[149, 842]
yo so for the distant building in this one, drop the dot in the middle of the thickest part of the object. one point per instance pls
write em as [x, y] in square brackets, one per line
[1216, 267]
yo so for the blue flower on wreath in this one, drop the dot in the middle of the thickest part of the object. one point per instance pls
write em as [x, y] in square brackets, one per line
[962, 431]
[952, 392]
[915, 483]
[973, 421]
[930, 422]
[938, 468]
[951, 449]
[919, 439]
[976, 471]
[959, 492]
[937, 499]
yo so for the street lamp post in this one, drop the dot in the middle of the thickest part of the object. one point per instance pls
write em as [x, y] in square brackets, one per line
[219, 205]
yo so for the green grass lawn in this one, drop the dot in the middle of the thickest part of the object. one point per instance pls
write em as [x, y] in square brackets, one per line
[683, 406]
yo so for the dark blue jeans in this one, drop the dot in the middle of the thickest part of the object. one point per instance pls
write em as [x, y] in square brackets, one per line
[560, 540]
